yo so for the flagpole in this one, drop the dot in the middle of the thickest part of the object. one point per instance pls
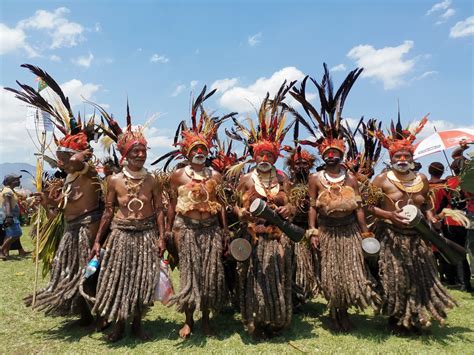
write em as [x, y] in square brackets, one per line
[38, 219]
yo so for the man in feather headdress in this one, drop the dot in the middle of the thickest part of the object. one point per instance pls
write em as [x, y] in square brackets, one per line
[133, 213]
[336, 218]
[196, 219]
[79, 204]
[265, 279]
[299, 164]
[412, 292]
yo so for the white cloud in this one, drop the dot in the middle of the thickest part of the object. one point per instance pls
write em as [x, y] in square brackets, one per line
[448, 13]
[339, 67]
[426, 74]
[97, 27]
[224, 84]
[12, 39]
[84, 61]
[157, 138]
[156, 58]
[255, 39]
[385, 64]
[178, 90]
[445, 16]
[244, 99]
[193, 83]
[63, 32]
[434, 125]
[75, 90]
[440, 6]
[16, 143]
[463, 28]
[55, 58]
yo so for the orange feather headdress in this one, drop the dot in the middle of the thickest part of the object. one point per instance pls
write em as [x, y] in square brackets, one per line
[270, 131]
[203, 131]
[398, 138]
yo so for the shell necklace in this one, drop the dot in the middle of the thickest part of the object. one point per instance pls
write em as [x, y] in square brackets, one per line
[133, 184]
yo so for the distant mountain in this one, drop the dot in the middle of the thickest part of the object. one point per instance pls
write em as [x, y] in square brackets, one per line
[26, 180]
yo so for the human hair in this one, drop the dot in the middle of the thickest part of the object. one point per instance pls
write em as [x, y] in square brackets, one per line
[436, 169]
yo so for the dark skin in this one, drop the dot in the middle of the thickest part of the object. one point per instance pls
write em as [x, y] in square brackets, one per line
[9, 205]
[333, 157]
[177, 179]
[389, 210]
[246, 183]
[150, 194]
[83, 198]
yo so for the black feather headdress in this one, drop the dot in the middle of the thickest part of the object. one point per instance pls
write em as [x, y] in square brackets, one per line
[328, 119]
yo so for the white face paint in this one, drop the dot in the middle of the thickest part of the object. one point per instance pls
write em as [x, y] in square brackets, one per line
[401, 167]
[199, 159]
[264, 166]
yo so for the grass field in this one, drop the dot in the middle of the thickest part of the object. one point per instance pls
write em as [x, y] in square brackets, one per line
[23, 331]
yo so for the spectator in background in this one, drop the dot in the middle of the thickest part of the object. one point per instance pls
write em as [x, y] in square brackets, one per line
[438, 192]
[455, 198]
[11, 224]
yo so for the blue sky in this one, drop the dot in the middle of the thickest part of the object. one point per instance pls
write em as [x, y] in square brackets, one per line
[158, 52]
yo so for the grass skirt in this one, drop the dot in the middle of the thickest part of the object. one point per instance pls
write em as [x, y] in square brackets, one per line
[413, 293]
[201, 268]
[61, 296]
[345, 278]
[129, 270]
[265, 285]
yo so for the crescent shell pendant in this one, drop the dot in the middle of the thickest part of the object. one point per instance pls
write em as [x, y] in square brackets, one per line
[132, 201]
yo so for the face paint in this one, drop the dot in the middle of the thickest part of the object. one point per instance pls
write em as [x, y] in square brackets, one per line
[198, 159]
[401, 166]
[264, 166]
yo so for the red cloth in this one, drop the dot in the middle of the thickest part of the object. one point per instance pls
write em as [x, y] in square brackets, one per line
[453, 184]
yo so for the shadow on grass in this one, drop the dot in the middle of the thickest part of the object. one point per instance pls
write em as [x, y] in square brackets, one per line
[228, 325]
[69, 331]
[375, 329]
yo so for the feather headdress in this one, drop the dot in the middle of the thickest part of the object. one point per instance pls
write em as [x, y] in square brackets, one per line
[77, 134]
[270, 131]
[203, 130]
[400, 138]
[271, 128]
[124, 139]
[328, 119]
[297, 153]
[223, 157]
[363, 161]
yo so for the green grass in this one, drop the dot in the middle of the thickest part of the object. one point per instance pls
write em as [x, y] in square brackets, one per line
[25, 331]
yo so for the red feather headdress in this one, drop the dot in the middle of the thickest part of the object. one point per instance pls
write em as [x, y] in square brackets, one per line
[203, 131]
[400, 139]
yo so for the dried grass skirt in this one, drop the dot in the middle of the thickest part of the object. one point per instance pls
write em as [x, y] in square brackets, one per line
[265, 285]
[201, 268]
[412, 291]
[345, 278]
[61, 296]
[129, 269]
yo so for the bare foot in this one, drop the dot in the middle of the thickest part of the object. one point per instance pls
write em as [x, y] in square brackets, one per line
[185, 331]
[85, 320]
[344, 321]
[207, 330]
[139, 333]
[101, 324]
[117, 333]
[23, 252]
